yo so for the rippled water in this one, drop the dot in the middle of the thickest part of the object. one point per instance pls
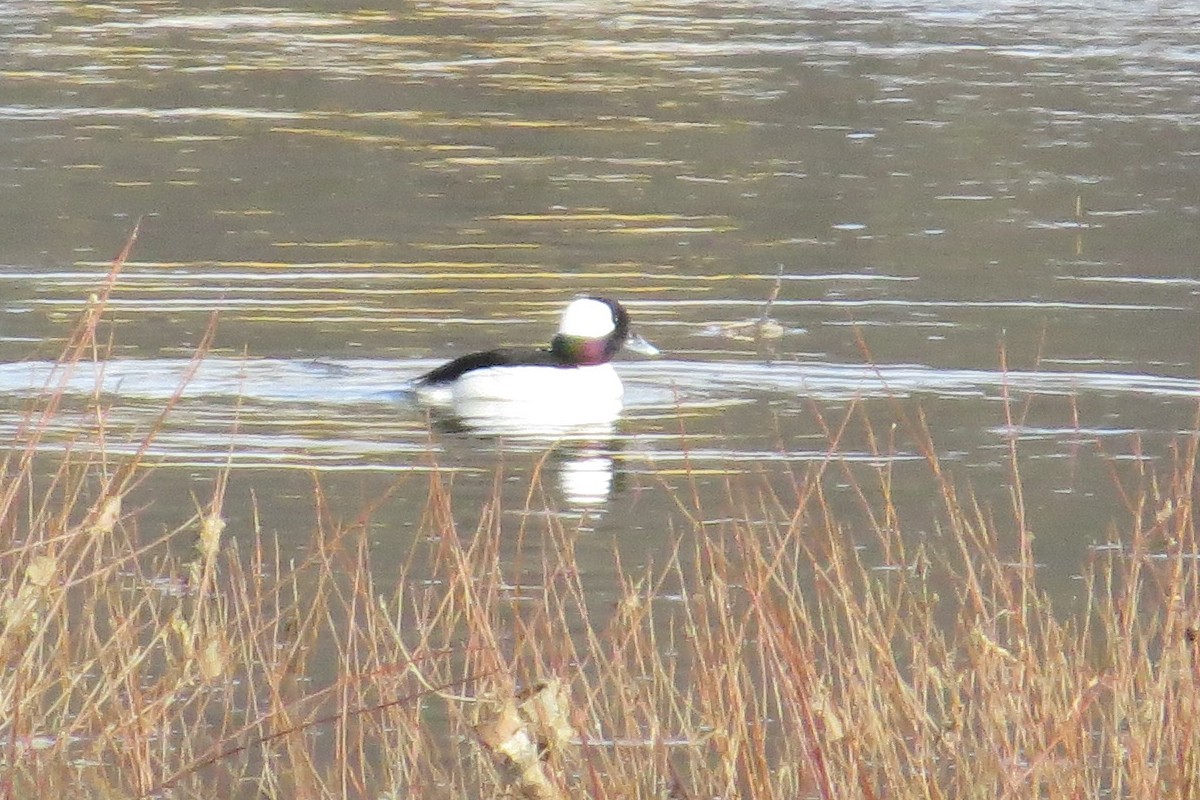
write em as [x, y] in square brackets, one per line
[955, 204]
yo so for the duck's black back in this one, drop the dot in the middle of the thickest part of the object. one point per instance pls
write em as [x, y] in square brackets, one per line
[503, 357]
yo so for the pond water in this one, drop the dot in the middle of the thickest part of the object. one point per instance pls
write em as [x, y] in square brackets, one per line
[951, 203]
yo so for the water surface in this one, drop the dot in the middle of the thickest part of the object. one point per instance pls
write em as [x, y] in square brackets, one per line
[957, 205]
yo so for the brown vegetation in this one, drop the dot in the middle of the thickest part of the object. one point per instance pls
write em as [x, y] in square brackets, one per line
[763, 657]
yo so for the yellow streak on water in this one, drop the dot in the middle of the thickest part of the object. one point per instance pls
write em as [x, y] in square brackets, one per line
[496, 270]
[593, 216]
[664, 229]
[175, 287]
[480, 161]
[406, 116]
[479, 246]
[194, 137]
[480, 122]
[305, 265]
[455, 147]
[471, 272]
[351, 136]
[16, 74]
[341, 243]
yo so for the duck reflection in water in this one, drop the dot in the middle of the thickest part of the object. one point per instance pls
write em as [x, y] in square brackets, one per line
[586, 466]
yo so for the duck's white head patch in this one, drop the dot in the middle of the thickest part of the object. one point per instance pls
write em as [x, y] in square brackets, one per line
[587, 318]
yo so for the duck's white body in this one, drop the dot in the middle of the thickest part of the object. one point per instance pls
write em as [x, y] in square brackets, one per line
[528, 384]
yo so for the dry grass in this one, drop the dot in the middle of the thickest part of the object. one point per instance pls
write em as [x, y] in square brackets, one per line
[762, 657]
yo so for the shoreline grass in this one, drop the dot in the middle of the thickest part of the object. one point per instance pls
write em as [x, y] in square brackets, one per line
[764, 654]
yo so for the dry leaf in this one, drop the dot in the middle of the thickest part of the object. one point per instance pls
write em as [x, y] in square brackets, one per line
[211, 527]
[107, 515]
[212, 660]
[507, 736]
[546, 709]
[41, 570]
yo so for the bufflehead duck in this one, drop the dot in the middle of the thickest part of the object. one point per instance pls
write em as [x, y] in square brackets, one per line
[572, 375]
